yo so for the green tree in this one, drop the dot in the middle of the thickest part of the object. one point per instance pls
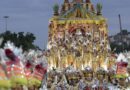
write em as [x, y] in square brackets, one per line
[99, 8]
[56, 9]
[119, 47]
[20, 39]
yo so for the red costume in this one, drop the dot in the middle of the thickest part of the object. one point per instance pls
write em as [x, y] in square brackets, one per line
[121, 67]
[13, 65]
[15, 70]
[39, 72]
[28, 69]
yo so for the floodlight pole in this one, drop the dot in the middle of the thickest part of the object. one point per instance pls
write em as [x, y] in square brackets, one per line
[6, 22]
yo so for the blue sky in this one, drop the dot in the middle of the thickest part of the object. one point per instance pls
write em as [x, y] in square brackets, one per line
[33, 15]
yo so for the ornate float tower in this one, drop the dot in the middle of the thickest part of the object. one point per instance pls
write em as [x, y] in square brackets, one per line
[78, 36]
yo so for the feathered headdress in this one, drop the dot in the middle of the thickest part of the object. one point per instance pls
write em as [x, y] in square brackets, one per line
[122, 57]
[8, 52]
[11, 48]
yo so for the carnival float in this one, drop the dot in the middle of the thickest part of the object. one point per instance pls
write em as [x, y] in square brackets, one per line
[78, 36]
[78, 47]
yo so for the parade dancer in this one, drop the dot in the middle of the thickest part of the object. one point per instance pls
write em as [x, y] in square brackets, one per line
[82, 84]
[44, 82]
[38, 75]
[128, 78]
[15, 71]
[4, 81]
[45, 66]
[28, 73]
[3, 74]
[54, 85]
[64, 83]
[105, 84]
[95, 84]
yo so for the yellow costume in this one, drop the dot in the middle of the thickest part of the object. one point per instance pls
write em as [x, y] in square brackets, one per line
[4, 81]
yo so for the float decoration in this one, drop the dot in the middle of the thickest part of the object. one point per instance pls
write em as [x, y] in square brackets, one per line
[78, 35]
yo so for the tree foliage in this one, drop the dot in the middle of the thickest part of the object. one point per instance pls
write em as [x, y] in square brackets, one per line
[56, 9]
[20, 39]
[99, 8]
[118, 48]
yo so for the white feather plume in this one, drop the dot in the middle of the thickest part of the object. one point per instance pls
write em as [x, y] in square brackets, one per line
[121, 57]
[17, 51]
[2, 56]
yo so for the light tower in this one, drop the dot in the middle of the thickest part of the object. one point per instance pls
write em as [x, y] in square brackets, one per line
[120, 23]
[6, 22]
